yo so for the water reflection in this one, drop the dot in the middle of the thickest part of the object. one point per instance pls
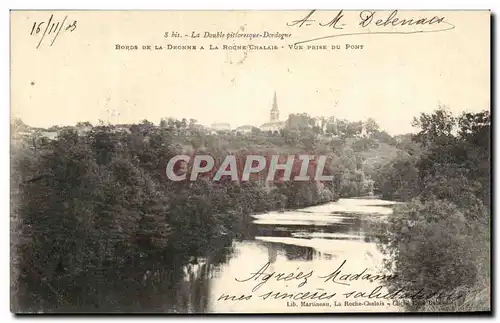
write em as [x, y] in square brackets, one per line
[317, 238]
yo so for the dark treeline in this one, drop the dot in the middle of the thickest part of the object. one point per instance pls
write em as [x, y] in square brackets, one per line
[93, 210]
[96, 225]
[439, 239]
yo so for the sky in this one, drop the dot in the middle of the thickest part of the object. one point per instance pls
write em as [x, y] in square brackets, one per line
[392, 79]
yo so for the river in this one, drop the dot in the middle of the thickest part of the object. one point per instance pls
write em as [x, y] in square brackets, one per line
[316, 240]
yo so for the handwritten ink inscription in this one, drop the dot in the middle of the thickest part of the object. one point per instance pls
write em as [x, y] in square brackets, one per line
[372, 22]
[51, 28]
[298, 280]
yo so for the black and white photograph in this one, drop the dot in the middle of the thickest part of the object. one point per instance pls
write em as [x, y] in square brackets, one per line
[250, 161]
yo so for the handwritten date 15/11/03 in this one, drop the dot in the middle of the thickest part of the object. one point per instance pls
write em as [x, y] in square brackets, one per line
[51, 28]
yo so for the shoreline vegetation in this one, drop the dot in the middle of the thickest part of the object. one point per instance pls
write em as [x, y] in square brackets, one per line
[93, 213]
[439, 238]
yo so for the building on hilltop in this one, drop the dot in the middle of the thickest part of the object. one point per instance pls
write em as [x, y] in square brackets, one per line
[275, 112]
[220, 126]
[244, 129]
[274, 123]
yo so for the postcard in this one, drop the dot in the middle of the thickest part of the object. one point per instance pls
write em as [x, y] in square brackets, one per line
[317, 161]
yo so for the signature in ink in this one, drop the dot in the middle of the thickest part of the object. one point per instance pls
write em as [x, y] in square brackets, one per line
[51, 28]
[375, 20]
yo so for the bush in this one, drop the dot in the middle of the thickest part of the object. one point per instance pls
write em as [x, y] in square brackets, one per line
[429, 247]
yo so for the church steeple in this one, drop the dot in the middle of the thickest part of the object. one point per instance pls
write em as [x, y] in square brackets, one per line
[275, 113]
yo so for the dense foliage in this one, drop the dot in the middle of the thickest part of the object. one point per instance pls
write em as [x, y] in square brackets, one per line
[440, 239]
[96, 205]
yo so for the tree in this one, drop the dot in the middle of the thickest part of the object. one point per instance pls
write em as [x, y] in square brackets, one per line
[353, 129]
[301, 122]
[256, 131]
[18, 125]
[331, 127]
[83, 124]
[371, 126]
[439, 239]
[430, 249]
[192, 123]
[398, 179]
[436, 126]
[342, 127]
